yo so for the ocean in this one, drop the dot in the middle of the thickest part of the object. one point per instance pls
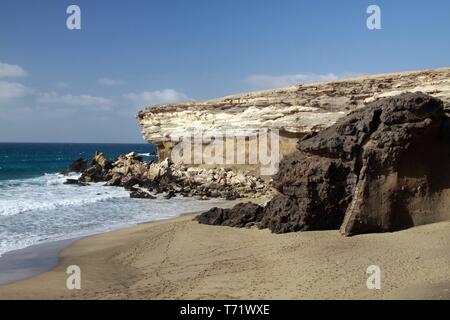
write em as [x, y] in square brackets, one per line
[36, 207]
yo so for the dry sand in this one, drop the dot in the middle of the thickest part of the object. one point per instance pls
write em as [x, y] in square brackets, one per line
[181, 259]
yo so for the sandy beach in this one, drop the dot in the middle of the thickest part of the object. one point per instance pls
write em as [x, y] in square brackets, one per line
[181, 259]
[188, 152]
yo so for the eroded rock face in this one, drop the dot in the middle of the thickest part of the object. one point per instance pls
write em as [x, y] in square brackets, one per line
[352, 168]
[314, 192]
[99, 168]
[403, 168]
[294, 111]
[382, 168]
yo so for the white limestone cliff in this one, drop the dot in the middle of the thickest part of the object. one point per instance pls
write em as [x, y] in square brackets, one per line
[295, 110]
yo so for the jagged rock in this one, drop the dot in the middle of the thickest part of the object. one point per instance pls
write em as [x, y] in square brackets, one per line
[100, 167]
[102, 161]
[78, 166]
[404, 167]
[115, 180]
[92, 174]
[239, 216]
[141, 194]
[165, 176]
[232, 195]
[154, 172]
[129, 181]
[382, 168]
[75, 182]
[170, 195]
[314, 194]
[240, 179]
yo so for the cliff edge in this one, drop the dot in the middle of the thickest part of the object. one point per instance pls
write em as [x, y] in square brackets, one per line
[294, 111]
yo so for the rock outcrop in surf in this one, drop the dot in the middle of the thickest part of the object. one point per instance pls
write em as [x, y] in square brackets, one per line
[145, 179]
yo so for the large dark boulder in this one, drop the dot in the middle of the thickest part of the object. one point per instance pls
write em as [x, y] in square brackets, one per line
[382, 168]
[403, 168]
[240, 215]
[314, 192]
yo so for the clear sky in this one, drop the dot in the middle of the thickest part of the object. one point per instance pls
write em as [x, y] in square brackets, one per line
[60, 85]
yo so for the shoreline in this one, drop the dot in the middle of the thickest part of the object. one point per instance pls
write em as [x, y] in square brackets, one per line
[179, 258]
[25, 263]
[22, 264]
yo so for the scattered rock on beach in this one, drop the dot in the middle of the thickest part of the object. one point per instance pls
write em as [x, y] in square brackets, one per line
[240, 215]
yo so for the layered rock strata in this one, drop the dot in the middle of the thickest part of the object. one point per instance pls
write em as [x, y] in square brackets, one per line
[295, 111]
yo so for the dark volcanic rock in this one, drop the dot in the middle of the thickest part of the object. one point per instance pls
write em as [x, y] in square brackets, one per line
[170, 195]
[93, 174]
[141, 194]
[314, 192]
[382, 168]
[75, 182]
[403, 167]
[240, 215]
[78, 166]
[232, 195]
[129, 181]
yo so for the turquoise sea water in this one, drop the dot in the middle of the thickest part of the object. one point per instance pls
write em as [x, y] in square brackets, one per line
[36, 207]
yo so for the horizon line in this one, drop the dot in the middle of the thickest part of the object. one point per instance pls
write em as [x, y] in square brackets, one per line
[32, 142]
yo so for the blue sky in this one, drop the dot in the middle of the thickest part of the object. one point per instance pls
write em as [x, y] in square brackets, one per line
[86, 85]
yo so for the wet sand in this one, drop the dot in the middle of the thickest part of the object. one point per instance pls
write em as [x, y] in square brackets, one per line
[181, 259]
[26, 263]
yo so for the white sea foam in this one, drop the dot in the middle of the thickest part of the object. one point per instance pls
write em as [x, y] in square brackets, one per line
[148, 154]
[48, 192]
[43, 209]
